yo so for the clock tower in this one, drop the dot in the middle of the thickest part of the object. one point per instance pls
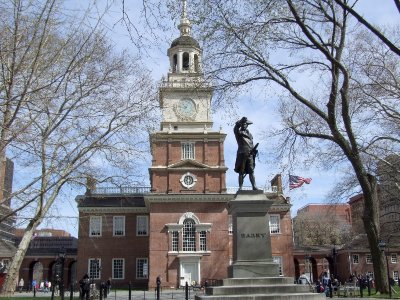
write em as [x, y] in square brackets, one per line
[188, 155]
[188, 219]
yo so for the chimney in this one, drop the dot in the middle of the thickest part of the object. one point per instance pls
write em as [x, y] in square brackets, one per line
[90, 185]
[277, 182]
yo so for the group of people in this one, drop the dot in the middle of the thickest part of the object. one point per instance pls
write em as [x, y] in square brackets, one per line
[328, 284]
[42, 286]
[85, 286]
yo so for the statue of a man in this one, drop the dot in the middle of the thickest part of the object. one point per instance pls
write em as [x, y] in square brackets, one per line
[245, 157]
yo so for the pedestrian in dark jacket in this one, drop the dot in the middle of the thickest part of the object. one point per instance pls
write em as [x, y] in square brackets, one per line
[84, 286]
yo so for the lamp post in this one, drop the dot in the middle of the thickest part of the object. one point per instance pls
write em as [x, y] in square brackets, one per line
[58, 275]
[382, 246]
[61, 260]
[334, 254]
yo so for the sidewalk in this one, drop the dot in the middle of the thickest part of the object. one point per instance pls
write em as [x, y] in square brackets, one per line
[166, 294]
[122, 295]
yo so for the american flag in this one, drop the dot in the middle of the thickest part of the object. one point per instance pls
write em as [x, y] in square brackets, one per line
[297, 181]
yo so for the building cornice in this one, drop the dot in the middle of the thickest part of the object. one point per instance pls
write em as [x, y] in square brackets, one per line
[180, 198]
[192, 135]
[112, 210]
[186, 168]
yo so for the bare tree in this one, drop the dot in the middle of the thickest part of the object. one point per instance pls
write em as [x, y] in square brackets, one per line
[324, 227]
[307, 50]
[71, 107]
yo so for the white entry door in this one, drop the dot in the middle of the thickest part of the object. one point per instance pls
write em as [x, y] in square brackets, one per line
[189, 273]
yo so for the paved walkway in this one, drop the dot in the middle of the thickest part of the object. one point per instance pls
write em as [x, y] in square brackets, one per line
[143, 295]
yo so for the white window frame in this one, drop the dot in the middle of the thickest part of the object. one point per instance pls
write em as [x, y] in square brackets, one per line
[114, 268]
[175, 241]
[203, 240]
[94, 222]
[142, 271]
[187, 150]
[275, 228]
[189, 235]
[5, 262]
[118, 231]
[368, 259]
[355, 258]
[393, 258]
[94, 273]
[230, 225]
[396, 276]
[278, 260]
[140, 230]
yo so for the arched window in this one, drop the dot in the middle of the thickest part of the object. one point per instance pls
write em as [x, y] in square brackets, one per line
[196, 63]
[185, 61]
[189, 235]
[37, 272]
[174, 63]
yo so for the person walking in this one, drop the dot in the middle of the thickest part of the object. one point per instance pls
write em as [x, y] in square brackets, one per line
[21, 285]
[84, 286]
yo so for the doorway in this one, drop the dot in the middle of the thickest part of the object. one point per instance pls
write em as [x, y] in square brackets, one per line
[189, 273]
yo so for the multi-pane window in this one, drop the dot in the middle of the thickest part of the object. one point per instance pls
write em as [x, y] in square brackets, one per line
[175, 241]
[355, 258]
[142, 268]
[189, 235]
[368, 259]
[95, 226]
[230, 225]
[94, 268]
[274, 224]
[203, 240]
[118, 268]
[119, 225]
[142, 225]
[396, 275]
[187, 150]
[393, 258]
[5, 263]
[370, 274]
[278, 260]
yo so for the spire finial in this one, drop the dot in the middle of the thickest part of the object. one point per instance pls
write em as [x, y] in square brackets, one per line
[185, 25]
[184, 10]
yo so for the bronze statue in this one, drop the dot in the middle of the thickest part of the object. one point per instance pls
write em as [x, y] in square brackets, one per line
[246, 153]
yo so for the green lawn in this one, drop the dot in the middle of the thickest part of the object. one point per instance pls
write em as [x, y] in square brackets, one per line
[395, 294]
[36, 298]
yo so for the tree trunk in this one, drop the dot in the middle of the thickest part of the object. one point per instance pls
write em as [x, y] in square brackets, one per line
[371, 225]
[11, 280]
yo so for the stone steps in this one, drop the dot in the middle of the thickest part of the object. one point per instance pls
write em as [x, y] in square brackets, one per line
[296, 296]
[260, 288]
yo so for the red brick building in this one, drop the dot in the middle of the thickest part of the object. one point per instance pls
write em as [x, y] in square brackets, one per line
[342, 259]
[40, 262]
[179, 229]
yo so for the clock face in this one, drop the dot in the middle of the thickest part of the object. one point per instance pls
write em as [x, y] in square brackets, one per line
[186, 107]
[188, 180]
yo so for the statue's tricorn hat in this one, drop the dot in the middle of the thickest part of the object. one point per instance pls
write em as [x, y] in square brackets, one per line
[244, 120]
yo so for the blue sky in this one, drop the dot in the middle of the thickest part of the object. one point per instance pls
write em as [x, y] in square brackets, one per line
[251, 105]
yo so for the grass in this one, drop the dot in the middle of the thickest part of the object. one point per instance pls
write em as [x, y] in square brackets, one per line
[36, 298]
[375, 294]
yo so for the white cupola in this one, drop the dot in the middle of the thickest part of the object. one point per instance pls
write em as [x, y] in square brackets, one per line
[185, 52]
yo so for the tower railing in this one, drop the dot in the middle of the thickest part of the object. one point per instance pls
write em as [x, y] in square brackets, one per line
[147, 189]
[185, 84]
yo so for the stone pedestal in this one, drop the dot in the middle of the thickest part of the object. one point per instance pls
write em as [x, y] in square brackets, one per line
[251, 239]
[253, 275]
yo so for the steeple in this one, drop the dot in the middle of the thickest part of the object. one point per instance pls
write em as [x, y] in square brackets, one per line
[185, 96]
[185, 52]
